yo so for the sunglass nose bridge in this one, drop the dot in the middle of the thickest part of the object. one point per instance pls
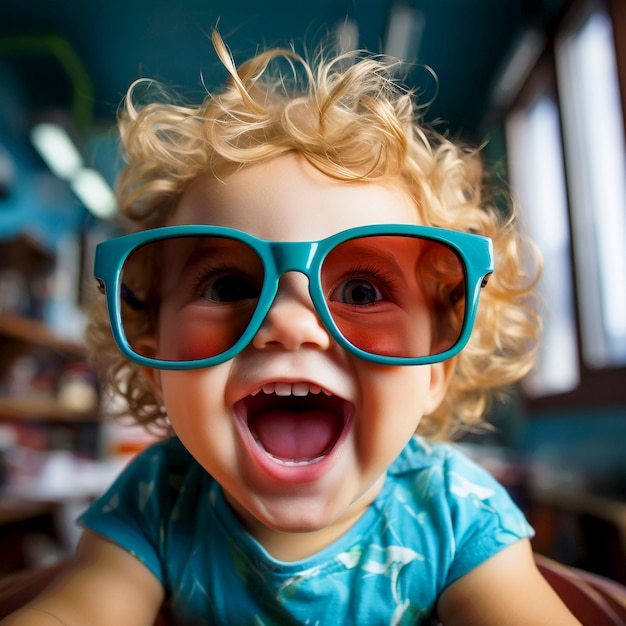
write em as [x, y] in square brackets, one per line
[293, 256]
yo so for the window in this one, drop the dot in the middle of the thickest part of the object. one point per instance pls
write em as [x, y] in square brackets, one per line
[567, 164]
[594, 144]
[537, 174]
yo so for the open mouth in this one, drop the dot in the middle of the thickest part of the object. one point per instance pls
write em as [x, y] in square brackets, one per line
[295, 424]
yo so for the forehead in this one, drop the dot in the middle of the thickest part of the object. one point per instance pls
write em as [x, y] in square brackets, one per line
[288, 199]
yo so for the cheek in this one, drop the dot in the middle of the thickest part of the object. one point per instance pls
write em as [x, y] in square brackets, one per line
[397, 386]
[201, 420]
[393, 403]
[195, 403]
[189, 336]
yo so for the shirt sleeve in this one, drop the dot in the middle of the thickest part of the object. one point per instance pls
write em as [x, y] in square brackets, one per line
[484, 518]
[134, 510]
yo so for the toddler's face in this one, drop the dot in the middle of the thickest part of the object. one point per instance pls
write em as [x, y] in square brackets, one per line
[298, 432]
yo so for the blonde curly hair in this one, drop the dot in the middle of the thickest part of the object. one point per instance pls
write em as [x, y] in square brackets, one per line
[350, 119]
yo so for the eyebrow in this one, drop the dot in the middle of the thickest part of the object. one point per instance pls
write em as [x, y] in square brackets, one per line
[363, 246]
[221, 245]
[205, 248]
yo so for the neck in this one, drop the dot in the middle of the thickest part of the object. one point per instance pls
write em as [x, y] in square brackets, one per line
[296, 546]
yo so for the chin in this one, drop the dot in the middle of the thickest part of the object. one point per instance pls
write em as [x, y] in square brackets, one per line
[298, 517]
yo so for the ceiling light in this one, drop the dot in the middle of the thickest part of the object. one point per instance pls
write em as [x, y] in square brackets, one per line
[94, 192]
[404, 33]
[518, 67]
[65, 161]
[57, 150]
[347, 33]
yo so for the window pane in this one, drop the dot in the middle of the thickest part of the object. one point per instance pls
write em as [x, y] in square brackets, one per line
[538, 181]
[594, 142]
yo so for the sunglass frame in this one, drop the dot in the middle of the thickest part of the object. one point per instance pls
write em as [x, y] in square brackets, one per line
[278, 257]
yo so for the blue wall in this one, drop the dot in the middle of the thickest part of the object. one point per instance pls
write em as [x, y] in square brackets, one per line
[38, 203]
[583, 445]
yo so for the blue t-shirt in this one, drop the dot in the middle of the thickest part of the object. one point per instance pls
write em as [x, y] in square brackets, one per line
[438, 516]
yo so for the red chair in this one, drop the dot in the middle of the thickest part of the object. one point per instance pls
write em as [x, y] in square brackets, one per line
[594, 600]
[17, 589]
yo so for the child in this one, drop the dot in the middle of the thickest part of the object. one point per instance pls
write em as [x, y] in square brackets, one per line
[305, 274]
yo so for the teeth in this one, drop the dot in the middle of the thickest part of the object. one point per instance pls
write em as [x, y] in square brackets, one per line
[282, 389]
[294, 463]
[303, 389]
[292, 389]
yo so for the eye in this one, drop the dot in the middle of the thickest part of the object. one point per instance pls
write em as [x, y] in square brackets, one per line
[357, 291]
[229, 288]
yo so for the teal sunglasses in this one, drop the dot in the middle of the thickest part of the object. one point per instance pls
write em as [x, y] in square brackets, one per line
[193, 296]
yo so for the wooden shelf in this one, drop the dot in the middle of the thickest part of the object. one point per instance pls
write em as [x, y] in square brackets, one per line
[12, 510]
[35, 332]
[584, 503]
[42, 409]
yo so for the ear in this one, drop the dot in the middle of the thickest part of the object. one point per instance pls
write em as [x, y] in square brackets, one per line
[440, 377]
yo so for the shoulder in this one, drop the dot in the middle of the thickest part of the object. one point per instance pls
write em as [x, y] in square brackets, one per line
[461, 501]
[155, 476]
[443, 459]
[444, 471]
[142, 501]
[167, 456]
[159, 470]
[441, 474]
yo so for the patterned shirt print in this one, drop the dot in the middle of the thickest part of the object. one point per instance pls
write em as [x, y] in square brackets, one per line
[438, 516]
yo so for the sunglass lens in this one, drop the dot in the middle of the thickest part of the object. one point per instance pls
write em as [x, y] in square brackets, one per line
[395, 295]
[189, 298]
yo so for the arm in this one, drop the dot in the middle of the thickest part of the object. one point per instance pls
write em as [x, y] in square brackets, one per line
[505, 589]
[104, 586]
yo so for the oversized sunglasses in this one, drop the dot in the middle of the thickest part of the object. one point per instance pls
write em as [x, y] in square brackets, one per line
[389, 294]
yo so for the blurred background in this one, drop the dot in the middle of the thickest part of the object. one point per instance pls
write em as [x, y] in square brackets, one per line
[541, 83]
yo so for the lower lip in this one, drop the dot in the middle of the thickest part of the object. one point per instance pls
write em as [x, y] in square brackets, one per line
[293, 473]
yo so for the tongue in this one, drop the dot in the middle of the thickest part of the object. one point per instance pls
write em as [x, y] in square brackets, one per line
[295, 435]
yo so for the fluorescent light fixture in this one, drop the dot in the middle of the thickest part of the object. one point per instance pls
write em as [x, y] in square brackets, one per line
[94, 192]
[404, 32]
[347, 33]
[65, 161]
[57, 150]
[518, 67]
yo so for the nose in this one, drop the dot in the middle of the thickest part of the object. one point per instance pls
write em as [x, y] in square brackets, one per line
[292, 322]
